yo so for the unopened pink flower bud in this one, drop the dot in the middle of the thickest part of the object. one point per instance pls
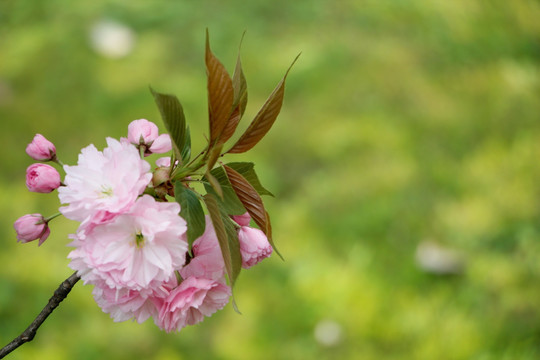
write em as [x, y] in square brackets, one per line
[242, 220]
[31, 227]
[254, 246]
[42, 178]
[41, 149]
[142, 131]
[161, 144]
[164, 161]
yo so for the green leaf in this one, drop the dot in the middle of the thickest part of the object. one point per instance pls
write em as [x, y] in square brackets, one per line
[214, 183]
[186, 151]
[247, 170]
[220, 93]
[173, 117]
[230, 202]
[234, 248]
[264, 119]
[228, 241]
[190, 210]
[252, 201]
[214, 156]
[234, 244]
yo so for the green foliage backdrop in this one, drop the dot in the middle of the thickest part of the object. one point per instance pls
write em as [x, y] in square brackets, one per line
[403, 122]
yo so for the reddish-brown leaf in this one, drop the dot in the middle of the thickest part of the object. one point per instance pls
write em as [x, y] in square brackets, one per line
[249, 197]
[239, 102]
[220, 93]
[240, 87]
[269, 235]
[264, 119]
[253, 203]
[231, 126]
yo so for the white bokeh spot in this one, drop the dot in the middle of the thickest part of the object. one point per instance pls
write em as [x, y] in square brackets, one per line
[112, 39]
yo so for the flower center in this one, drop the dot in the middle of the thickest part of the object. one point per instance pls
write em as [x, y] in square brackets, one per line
[106, 191]
[139, 240]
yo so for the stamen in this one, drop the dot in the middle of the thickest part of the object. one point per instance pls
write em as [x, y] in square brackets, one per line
[139, 240]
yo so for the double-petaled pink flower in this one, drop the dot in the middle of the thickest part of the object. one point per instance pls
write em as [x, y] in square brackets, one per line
[125, 294]
[103, 184]
[124, 304]
[138, 250]
[207, 259]
[190, 302]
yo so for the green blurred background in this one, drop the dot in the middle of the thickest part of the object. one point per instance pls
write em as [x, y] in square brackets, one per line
[405, 163]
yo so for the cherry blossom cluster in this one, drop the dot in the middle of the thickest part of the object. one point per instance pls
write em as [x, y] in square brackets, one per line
[131, 244]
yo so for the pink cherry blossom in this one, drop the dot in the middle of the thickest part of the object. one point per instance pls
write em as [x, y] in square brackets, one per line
[41, 149]
[124, 304]
[242, 220]
[164, 162]
[139, 249]
[161, 144]
[31, 227]
[145, 133]
[207, 260]
[103, 184]
[254, 246]
[190, 302]
[42, 178]
[142, 131]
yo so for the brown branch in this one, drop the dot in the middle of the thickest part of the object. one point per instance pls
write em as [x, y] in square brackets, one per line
[28, 334]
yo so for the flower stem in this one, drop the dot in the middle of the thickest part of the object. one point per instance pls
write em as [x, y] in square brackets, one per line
[142, 150]
[58, 161]
[47, 219]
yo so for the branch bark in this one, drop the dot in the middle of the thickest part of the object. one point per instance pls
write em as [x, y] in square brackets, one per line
[27, 335]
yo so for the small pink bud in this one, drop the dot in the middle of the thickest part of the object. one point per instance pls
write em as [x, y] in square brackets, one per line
[142, 131]
[42, 178]
[161, 144]
[242, 220]
[164, 161]
[31, 227]
[41, 149]
[254, 246]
